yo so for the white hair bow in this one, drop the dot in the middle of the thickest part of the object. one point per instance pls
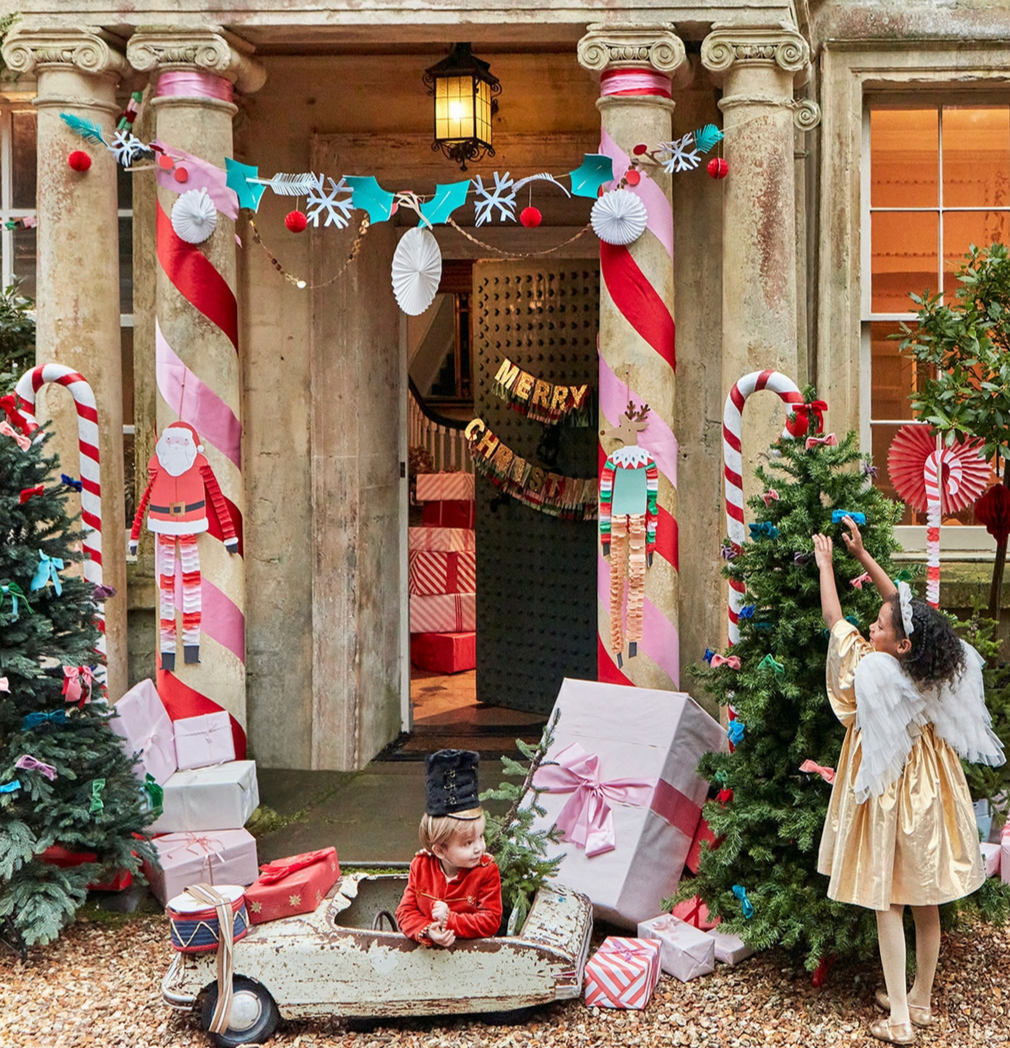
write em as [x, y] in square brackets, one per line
[905, 600]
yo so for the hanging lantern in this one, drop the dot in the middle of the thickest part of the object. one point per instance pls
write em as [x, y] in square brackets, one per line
[465, 100]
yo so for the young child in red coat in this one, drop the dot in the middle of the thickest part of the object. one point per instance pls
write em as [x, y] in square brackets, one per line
[454, 888]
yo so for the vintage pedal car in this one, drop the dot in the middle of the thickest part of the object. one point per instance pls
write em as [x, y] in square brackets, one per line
[336, 961]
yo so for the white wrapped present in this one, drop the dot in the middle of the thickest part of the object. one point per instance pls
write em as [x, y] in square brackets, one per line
[445, 487]
[991, 859]
[729, 948]
[146, 729]
[685, 953]
[205, 740]
[625, 793]
[221, 797]
[217, 857]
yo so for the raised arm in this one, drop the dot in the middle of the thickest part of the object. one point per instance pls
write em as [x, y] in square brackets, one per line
[854, 544]
[831, 609]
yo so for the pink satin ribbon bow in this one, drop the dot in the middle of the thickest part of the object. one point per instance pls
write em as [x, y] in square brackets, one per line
[770, 496]
[4, 684]
[666, 923]
[24, 443]
[30, 763]
[827, 774]
[733, 661]
[830, 441]
[75, 680]
[586, 819]
[859, 580]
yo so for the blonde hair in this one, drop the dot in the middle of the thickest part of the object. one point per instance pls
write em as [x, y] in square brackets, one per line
[436, 831]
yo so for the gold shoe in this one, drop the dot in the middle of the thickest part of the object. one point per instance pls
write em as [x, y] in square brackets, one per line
[893, 1033]
[919, 1014]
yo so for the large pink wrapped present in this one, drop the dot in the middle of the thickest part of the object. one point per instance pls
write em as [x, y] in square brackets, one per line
[431, 573]
[444, 487]
[448, 613]
[205, 740]
[216, 857]
[625, 793]
[446, 540]
[146, 729]
[622, 973]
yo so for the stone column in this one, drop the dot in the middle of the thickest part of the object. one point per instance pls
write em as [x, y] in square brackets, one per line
[77, 297]
[198, 361]
[637, 354]
[757, 68]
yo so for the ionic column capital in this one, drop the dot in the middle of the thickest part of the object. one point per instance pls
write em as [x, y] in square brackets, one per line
[608, 47]
[729, 47]
[85, 49]
[206, 50]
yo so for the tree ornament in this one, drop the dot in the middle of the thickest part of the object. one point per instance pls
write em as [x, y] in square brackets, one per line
[296, 221]
[717, 167]
[79, 160]
[194, 216]
[993, 510]
[530, 217]
[619, 217]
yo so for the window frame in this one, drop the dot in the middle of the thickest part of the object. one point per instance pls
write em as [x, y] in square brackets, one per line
[9, 213]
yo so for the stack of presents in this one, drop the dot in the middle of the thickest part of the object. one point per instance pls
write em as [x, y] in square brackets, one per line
[443, 575]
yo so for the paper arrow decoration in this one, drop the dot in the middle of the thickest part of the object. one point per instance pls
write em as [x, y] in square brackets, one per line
[249, 193]
[593, 172]
[367, 194]
[448, 197]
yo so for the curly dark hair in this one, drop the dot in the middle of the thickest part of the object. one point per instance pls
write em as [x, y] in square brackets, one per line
[937, 653]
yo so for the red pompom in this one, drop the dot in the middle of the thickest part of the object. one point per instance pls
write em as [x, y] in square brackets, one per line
[530, 217]
[993, 510]
[640, 150]
[166, 163]
[717, 167]
[633, 177]
[181, 174]
[296, 221]
[79, 160]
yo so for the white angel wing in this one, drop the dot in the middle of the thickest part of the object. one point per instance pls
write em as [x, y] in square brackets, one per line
[958, 712]
[889, 717]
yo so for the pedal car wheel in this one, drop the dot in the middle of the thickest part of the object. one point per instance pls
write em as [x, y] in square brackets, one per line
[254, 1014]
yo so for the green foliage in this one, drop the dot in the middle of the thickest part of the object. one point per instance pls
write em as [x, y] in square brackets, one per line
[59, 630]
[17, 337]
[518, 849]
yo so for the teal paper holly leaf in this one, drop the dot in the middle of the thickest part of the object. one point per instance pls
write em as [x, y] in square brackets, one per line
[706, 137]
[447, 198]
[367, 194]
[87, 129]
[249, 194]
[594, 170]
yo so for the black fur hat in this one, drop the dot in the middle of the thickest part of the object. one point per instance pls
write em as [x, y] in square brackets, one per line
[450, 782]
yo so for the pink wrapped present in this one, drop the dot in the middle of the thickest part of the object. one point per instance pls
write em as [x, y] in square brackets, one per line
[448, 613]
[694, 912]
[432, 573]
[144, 725]
[440, 487]
[625, 793]
[622, 973]
[205, 740]
[217, 857]
[991, 859]
[446, 540]
[685, 952]
[1004, 857]
[296, 884]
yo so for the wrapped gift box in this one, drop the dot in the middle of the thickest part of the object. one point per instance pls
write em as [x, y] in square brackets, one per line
[444, 652]
[431, 573]
[297, 884]
[202, 741]
[694, 912]
[438, 487]
[218, 857]
[446, 540]
[221, 797]
[1004, 856]
[146, 729]
[991, 859]
[729, 949]
[684, 952]
[448, 514]
[65, 858]
[702, 835]
[447, 613]
[622, 973]
[638, 749]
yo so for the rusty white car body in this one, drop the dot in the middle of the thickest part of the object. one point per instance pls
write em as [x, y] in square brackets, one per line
[333, 961]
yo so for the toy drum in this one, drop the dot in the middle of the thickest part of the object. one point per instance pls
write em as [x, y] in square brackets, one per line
[194, 925]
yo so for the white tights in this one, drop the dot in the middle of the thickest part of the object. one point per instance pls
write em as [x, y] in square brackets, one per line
[891, 940]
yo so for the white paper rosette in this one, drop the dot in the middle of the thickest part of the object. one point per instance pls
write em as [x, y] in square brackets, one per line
[194, 216]
[417, 270]
[619, 217]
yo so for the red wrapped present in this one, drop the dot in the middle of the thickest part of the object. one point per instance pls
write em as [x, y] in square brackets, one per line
[448, 613]
[444, 652]
[695, 912]
[440, 487]
[297, 884]
[622, 973]
[64, 858]
[448, 540]
[432, 573]
[701, 834]
[450, 513]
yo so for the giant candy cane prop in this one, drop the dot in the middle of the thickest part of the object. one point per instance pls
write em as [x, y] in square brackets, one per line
[91, 485]
[732, 418]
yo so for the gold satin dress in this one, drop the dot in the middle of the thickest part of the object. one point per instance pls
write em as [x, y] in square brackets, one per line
[917, 842]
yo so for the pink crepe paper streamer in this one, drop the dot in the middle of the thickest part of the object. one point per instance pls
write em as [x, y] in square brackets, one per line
[202, 175]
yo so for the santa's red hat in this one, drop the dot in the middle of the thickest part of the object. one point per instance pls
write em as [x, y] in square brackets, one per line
[179, 424]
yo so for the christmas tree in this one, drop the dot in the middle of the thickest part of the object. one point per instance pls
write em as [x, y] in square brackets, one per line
[65, 779]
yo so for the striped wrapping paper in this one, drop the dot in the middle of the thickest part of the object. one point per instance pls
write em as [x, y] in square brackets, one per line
[445, 540]
[432, 573]
[622, 973]
[445, 613]
[439, 487]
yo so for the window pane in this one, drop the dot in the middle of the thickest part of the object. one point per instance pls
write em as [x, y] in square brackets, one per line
[126, 265]
[961, 229]
[904, 154]
[893, 374]
[976, 157]
[24, 260]
[23, 162]
[905, 258]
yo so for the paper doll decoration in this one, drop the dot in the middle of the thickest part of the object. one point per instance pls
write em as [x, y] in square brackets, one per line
[629, 488]
[179, 482]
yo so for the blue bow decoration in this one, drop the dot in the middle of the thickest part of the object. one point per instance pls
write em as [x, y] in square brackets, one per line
[741, 893]
[837, 514]
[33, 720]
[734, 732]
[70, 482]
[10, 787]
[746, 612]
[708, 655]
[49, 568]
[765, 527]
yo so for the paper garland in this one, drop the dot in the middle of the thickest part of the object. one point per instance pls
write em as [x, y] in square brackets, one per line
[571, 498]
[194, 216]
[619, 217]
[539, 400]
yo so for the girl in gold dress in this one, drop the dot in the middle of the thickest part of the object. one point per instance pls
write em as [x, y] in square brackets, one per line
[900, 828]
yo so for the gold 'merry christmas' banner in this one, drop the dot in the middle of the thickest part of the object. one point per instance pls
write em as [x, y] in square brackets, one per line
[539, 400]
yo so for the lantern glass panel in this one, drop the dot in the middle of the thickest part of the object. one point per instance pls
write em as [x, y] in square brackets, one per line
[453, 108]
[483, 112]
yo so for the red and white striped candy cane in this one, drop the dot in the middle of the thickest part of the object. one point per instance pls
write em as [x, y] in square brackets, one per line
[732, 417]
[931, 473]
[91, 484]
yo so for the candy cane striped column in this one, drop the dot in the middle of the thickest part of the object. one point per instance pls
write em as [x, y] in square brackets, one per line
[931, 472]
[91, 480]
[732, 458]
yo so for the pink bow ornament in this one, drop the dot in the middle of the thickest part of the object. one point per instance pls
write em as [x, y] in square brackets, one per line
[830, 441]
[770, 496]
[75, 680]
[666, 923]
[827, 774]
[858, 581]
[4, 684]
[587, 820]
[733, 661]
[29, 763]
[23, 442]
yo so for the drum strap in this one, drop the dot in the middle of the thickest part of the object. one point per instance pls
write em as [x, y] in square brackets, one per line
[210, 896]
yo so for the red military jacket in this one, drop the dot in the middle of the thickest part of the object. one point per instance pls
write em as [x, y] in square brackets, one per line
[473, 897]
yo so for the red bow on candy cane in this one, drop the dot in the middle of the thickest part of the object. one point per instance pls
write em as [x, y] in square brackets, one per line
[24, 443]
[733, 661]
[858, 581]
[830, 441]
[9, 405]
[75, 680]
[798, 422]
[827, 774]
[26, 493]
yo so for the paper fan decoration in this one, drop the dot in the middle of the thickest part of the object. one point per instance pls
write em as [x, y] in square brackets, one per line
[417, 270]
[194, 216]
[619, 217]
[965, 471]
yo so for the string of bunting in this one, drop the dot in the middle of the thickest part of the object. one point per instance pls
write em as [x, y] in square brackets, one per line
[539, 400]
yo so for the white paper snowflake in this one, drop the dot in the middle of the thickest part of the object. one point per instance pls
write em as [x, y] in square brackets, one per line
[502, 196]
[683, 157]
[319, 202]
[126, 147]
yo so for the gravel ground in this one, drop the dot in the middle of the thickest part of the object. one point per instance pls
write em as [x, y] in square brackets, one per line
[100, 986]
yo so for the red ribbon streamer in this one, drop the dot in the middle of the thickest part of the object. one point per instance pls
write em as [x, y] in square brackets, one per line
[638, 301]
